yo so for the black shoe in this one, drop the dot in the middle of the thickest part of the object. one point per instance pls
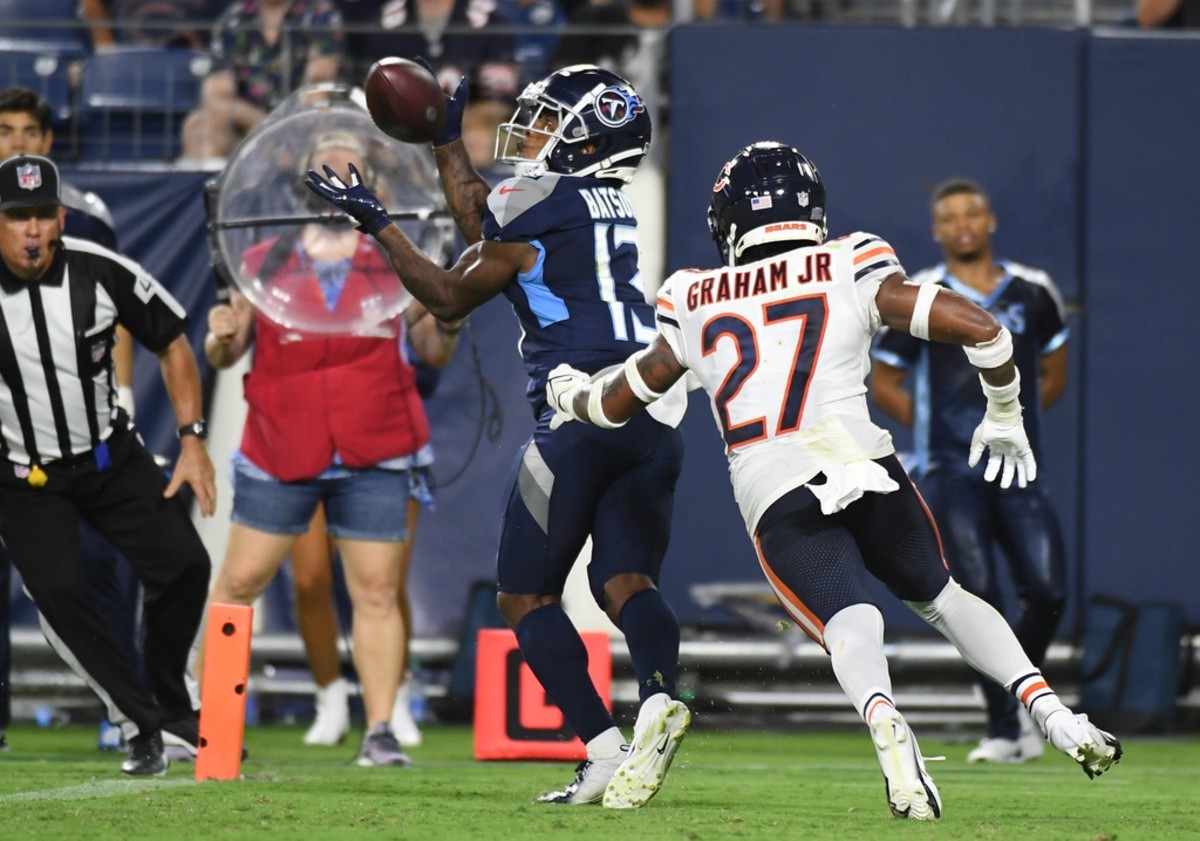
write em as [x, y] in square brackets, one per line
[146, 756]
[181, 736]
[3, 742]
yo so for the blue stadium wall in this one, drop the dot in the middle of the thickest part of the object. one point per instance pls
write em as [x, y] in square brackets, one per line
[1090, 156]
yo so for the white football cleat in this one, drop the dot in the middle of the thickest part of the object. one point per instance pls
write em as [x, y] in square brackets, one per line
[661, 725]
[911, 791]
[403, 723]
[997, 750]
[333, 715]
[591, 778]
[1095, 750]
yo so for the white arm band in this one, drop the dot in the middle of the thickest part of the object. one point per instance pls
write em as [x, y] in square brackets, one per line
[594, 408]
[991, 354]
[998, 394]
[919, 324]
[636, 384]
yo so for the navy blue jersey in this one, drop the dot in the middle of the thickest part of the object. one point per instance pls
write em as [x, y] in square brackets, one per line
[583, 302]
[948, 402]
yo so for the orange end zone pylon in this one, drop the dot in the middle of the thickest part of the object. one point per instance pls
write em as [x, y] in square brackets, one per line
[513, 717]
[223, 689]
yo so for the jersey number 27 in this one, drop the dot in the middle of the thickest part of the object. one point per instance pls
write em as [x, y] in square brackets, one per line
[811, 310]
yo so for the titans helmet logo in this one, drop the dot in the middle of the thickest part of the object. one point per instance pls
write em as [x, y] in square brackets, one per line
[615, 107]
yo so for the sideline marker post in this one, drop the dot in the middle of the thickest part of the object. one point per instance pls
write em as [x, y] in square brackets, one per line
[513, 717]
[223, 691]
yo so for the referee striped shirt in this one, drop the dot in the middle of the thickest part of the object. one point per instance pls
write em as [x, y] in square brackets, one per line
[57, 390]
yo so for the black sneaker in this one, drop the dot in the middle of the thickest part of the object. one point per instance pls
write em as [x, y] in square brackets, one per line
[146, 756]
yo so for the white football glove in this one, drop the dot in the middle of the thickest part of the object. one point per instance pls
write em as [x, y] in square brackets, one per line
[562, 385]
[1003, 432]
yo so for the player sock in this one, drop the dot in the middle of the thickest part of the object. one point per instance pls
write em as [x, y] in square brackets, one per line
[652, 636]
[1037, 697]
[555, 653]
[854, 637]
[978, 631]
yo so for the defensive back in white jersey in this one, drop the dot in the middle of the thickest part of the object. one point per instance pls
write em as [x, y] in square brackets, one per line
[781, 346]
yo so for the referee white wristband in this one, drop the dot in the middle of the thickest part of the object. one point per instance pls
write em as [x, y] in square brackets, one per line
[919, 323]
[991, 354]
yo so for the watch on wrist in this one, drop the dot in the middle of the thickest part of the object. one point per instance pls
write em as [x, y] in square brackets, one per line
[198, 428]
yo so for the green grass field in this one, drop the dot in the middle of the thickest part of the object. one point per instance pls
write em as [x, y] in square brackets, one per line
[54, 784]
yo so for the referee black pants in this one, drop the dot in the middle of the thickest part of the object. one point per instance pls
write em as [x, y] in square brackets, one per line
[124, 503]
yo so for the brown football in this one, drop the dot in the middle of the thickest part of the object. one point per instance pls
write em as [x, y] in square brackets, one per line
[405, 101]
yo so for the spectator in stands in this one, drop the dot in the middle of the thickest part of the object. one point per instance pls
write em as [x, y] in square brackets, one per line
[25, 128]
[541, 24]
[263, 50]
[941, 402]
[768, 11]
[430, 29]
[333, 420]
[1167, 14]
[150, 23]
[639, 54]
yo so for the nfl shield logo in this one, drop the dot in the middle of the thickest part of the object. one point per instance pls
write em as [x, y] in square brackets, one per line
[29, 176]
[802, 197]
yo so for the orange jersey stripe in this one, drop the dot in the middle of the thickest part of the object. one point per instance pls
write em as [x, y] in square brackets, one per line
[665, 304]
[874, 252]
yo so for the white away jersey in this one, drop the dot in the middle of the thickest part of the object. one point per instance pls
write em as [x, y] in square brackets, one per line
[781, 346]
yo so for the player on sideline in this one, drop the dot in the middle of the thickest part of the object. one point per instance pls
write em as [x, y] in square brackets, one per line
[560, 242]
[780, 340]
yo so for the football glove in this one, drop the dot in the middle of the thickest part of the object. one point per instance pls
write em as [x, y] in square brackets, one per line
[1003, 432]
[562, 385]
[355, 198]
[455, 105]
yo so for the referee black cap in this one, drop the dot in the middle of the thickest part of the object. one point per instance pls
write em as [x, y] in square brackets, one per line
[28, 181]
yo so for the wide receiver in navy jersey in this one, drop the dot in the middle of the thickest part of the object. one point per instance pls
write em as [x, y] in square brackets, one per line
[779, 338]
[977, 518]
[560, 242]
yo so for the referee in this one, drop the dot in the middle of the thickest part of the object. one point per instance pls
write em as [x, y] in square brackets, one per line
[67, 452]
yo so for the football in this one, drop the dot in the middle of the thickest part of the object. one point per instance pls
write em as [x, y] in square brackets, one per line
[404, 100]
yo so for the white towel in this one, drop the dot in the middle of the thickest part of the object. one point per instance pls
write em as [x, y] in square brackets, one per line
[845, 483]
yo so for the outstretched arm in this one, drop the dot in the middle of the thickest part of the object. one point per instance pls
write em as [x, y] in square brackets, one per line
[480, 274]
[613, 400]
[932, 313]
[465, 190]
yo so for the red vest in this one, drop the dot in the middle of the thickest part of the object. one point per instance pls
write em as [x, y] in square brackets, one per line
[312, 394]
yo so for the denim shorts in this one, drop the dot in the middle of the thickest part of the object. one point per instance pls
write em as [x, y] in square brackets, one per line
[368, 504]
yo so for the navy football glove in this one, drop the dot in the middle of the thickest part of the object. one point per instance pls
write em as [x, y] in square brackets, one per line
[353, 198]
[452, 128]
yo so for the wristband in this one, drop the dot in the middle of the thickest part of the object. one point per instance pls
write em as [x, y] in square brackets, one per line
[595, 411]
[993, 353]
[638, 385]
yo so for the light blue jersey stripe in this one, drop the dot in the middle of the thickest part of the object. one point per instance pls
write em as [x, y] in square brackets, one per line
[544, 304]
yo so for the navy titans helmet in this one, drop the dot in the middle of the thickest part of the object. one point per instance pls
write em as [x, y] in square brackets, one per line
[768, 192]
[600, 125]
